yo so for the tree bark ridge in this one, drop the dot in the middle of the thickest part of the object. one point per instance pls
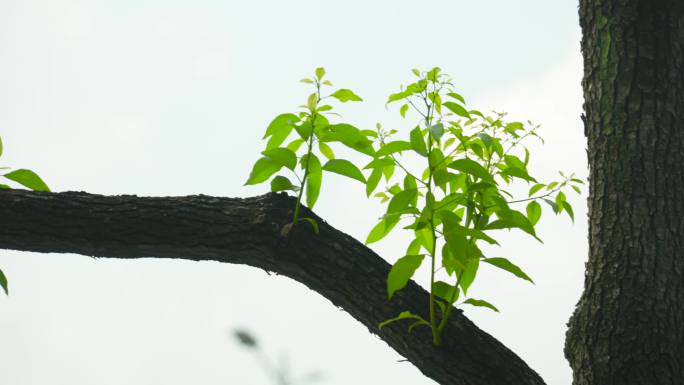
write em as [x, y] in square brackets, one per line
[628, 327]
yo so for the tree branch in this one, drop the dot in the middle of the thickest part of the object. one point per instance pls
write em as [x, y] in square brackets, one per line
[247, 231]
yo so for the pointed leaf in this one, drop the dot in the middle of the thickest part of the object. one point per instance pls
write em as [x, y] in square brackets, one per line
[344, 167]
[27, 178]
[401, 272]
[380, 230]
[392, 147]
[283, 156]
[445, 291]
[534, 212]
[468, 275]
[401, 316]
[3, 282]
[313, 180]
[281, 183]
[326, 150]
[312, 222]
[373, 181]
[536, 188]
[481, 303]
[344, 95]
[505, 264]
[262, 170]
[417, 142]
[471, 167]
[457, 109]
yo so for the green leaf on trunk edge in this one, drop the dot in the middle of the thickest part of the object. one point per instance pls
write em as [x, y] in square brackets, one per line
[401, 316]
[313, 223]
[27, 178]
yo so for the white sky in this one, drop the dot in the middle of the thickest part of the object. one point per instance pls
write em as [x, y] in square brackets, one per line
[172, 98]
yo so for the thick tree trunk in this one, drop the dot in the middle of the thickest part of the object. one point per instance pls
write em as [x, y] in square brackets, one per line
[247, 231]
[628, 327]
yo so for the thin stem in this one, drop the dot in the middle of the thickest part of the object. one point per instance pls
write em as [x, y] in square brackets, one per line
[298, 205]
[406, 171]
[436, 338]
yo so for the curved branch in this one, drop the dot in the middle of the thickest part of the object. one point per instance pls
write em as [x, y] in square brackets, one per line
[247, 231]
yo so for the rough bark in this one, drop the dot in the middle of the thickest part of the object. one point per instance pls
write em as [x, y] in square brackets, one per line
[247, 231]
[628, 327]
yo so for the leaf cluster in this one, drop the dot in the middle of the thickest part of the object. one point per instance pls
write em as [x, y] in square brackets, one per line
[453, 205]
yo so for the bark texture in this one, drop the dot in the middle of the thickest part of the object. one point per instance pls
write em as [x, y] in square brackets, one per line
[628, 327]
[247, 231]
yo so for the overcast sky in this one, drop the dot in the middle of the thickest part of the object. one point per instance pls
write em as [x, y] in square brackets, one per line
[172, 98]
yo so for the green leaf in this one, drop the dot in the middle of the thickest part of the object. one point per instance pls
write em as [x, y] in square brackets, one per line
[344, 95]
[536, 188]
[379, 163]
[295, 144]
[425, 237]
[401, 201]
[392, 147]
[568, 209]
[468, 275]
[326, 150]
[457, 97]
[433, 74]
[279, 129]
[553, 205]
[307, 80]
[398, 96]
[313, 180]
[401, 272]
[457, 109]
[320, 72]
[312, 101]
[281, 183]
[3, 282]
[514, 219]
[27, 178]
[471, 167]
[401, 316]
[0, 146]
[344, 167]
[350, 136]
[312, 222]
[417, 142]
[373, 181]
[380, 230]
[534, 212]
[4, 187]
[403, 110]
[437, 130]
[480, 303]
[281, 122]
[445, 291]
[518, 173]
[262, 170]
[416, 72]
[283, 156]
[505, 264]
